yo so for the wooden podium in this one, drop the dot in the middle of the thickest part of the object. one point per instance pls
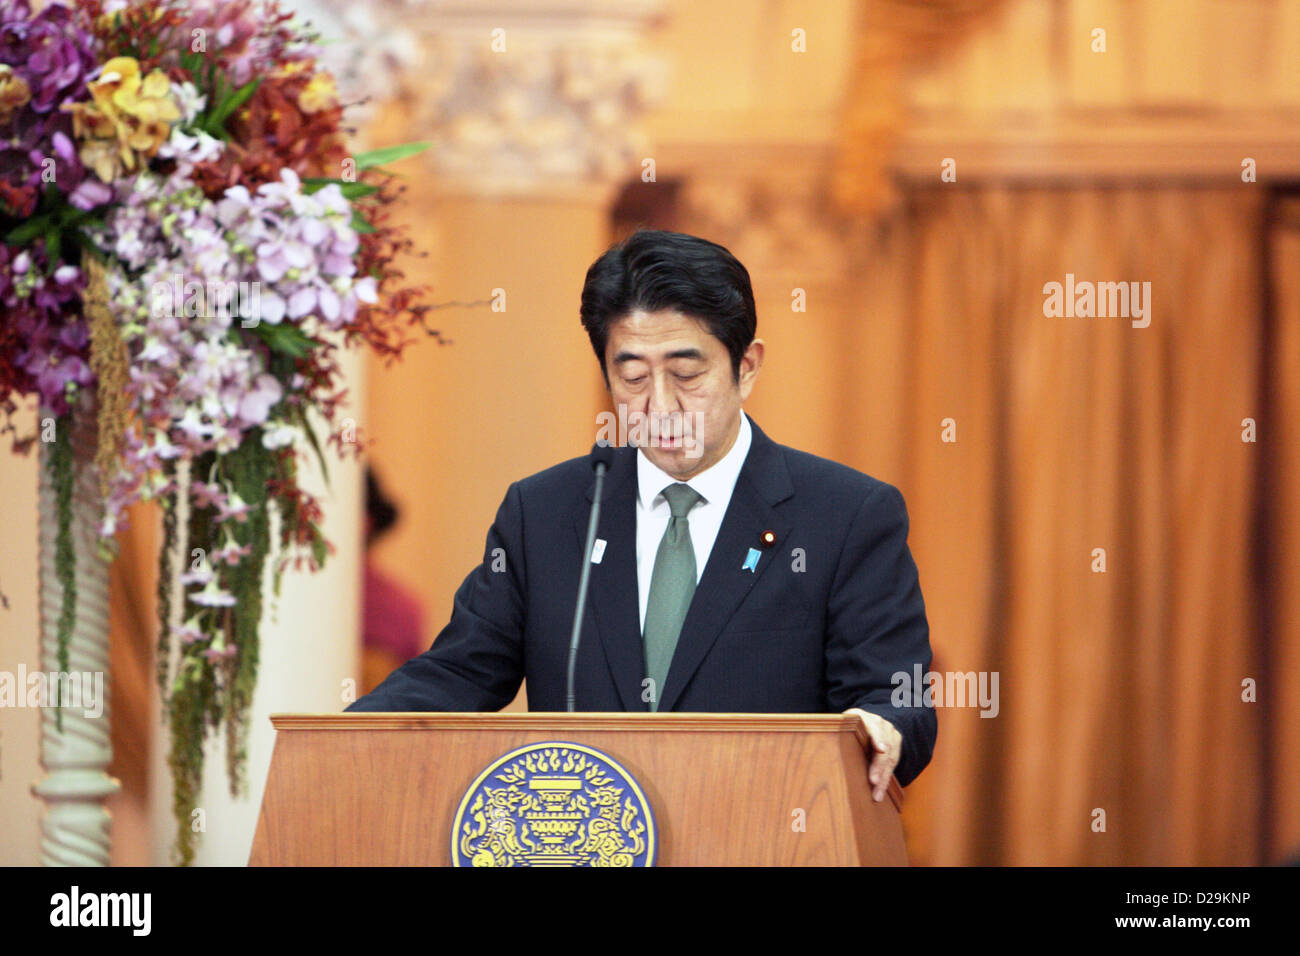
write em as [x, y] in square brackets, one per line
[723, 789]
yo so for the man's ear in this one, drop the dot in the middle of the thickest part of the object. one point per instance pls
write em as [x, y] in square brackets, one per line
[750, 363]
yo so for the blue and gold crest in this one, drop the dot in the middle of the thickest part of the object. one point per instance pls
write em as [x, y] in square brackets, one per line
[553, 804]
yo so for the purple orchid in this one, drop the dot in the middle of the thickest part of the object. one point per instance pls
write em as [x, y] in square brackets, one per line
[54, 57]
[207, 494]
[213, 596]
[189, 632]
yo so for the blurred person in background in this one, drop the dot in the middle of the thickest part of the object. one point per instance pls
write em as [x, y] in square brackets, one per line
[392, 620]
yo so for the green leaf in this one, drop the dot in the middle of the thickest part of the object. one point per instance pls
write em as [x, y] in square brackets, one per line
[233, 102]
[319, 550]
[389, 154]
[193, 62]
[315, 444]
[350, 188]
[357, 190]
[86, 217]
[29, 230]
[285, 339]
[359, 223]
[53, 248]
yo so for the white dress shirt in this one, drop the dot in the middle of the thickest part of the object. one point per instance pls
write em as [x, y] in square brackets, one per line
[714, 485]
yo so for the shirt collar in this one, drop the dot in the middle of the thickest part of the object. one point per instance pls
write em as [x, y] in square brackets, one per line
[715, 483]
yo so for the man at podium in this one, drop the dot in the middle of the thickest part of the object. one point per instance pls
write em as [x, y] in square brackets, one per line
[729, 573]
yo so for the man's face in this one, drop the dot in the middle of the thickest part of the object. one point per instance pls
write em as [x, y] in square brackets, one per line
[668, 369]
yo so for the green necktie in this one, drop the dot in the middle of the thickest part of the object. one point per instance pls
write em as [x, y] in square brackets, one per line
[672, 585]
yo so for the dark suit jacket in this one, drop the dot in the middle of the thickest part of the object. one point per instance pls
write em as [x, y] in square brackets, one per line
[831, 612]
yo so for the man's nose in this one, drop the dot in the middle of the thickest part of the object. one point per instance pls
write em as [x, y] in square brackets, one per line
[663, 398]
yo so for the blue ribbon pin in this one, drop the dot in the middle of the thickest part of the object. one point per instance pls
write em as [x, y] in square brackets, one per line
[751, 560]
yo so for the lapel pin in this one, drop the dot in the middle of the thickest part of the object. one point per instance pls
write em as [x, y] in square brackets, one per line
[598, 551]
[768, 538]
[751, 560]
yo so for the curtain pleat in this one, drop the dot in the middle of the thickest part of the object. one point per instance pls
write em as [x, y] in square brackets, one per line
[1120, 691]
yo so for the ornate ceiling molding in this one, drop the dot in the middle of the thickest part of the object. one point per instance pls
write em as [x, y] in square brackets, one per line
[1203, 145]
[519, 97]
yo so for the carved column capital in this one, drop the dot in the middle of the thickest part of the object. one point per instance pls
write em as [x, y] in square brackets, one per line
[768, 204]
[533, 97]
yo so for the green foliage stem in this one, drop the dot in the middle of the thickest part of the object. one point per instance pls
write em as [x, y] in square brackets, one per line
[63, 479]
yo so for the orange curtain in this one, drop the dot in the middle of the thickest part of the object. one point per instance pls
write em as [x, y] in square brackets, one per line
[133, 635]
[1280, 508]
[1120, 691]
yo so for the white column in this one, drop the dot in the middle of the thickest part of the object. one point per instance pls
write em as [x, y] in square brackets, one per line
[75, 827]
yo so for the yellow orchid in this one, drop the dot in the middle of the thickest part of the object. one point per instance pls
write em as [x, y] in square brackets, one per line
[14, 92]
[318, 94]
[292, 67]
[128, 118]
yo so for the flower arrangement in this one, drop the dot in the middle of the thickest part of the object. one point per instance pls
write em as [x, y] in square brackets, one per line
[185, 245]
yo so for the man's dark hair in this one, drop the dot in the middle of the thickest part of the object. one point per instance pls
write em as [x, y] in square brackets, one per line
[380, 508]
[653, 270]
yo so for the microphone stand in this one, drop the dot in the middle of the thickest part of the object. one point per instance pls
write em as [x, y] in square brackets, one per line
[583, 581]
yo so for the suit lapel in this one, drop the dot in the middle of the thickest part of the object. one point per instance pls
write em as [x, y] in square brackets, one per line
[764, 481]
[612, 599]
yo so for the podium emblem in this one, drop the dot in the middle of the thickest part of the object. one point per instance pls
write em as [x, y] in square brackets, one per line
[554, 804]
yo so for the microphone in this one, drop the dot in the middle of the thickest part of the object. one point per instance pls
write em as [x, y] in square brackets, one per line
[602, 456]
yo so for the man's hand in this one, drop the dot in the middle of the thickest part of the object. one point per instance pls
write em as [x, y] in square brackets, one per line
[887, 747]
